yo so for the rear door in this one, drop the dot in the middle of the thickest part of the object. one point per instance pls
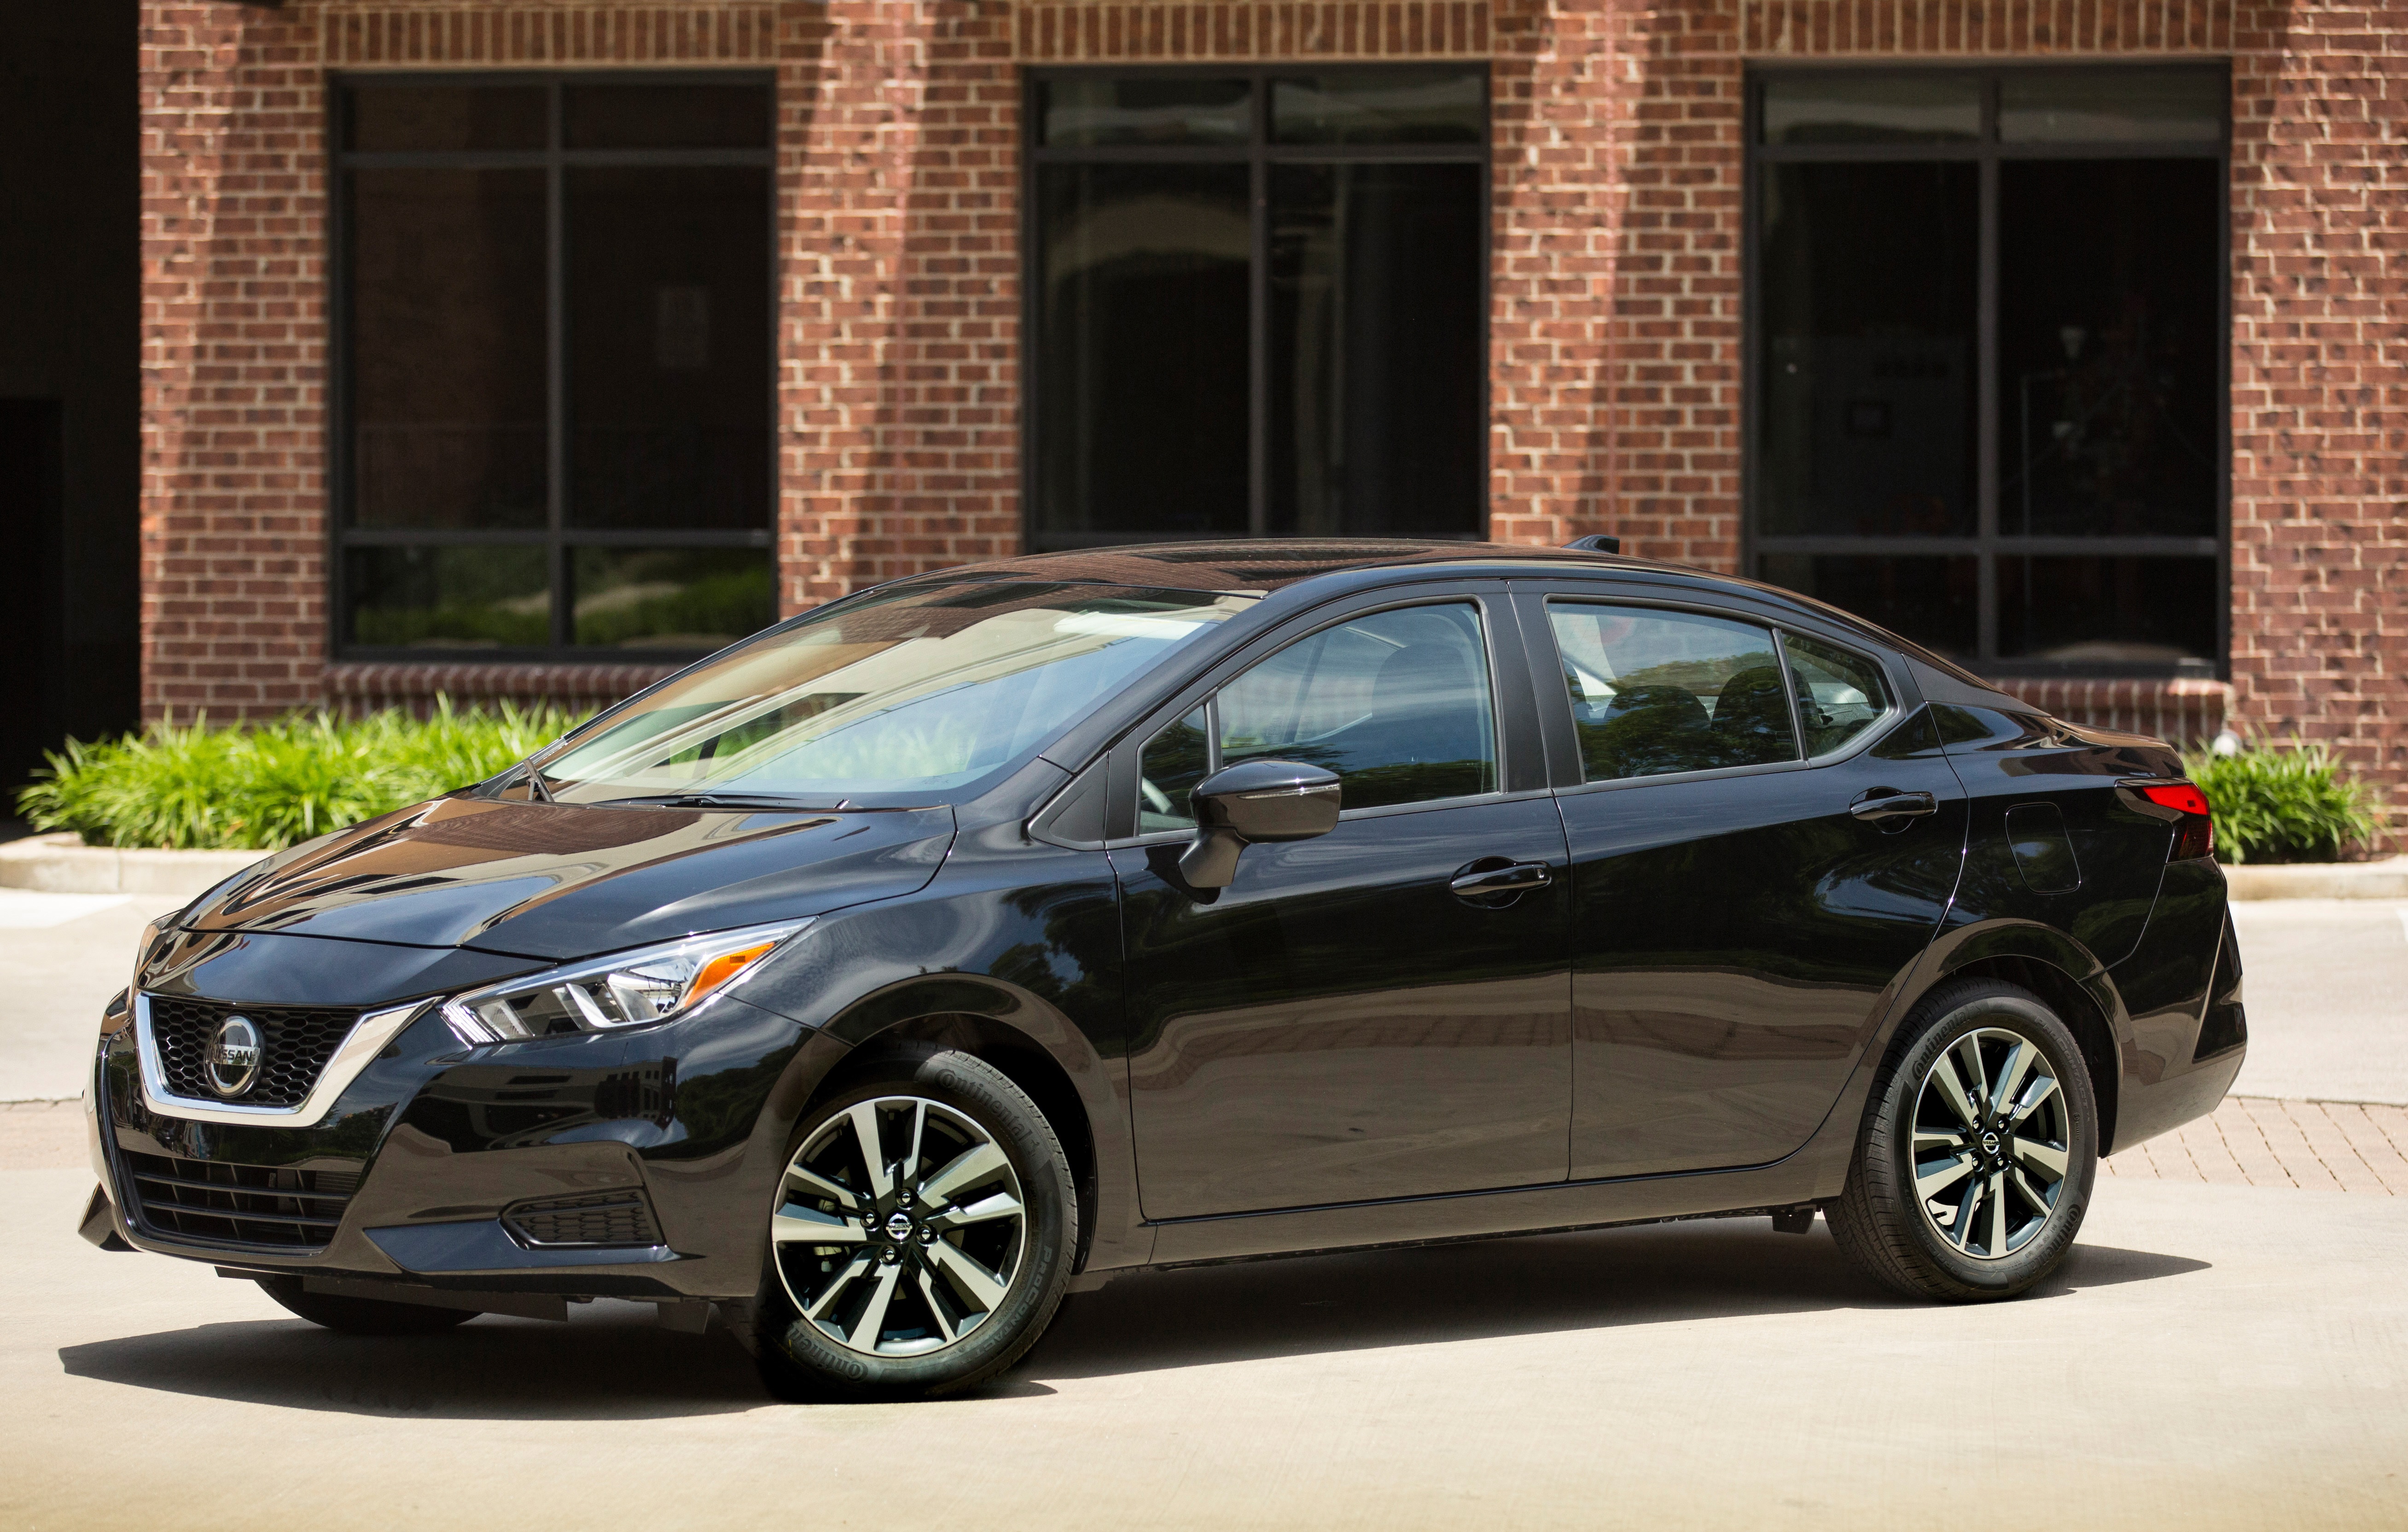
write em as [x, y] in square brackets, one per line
[1343, 1023]
[1764, 836]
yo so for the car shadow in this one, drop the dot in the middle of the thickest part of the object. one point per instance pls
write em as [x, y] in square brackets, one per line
[612, 1362]
[1674, 1272]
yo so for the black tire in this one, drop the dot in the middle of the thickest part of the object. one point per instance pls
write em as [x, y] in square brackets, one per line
[801, 1360]
[1905, 1241]
[363, 1316]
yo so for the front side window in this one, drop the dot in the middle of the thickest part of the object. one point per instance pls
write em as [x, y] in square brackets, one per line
[1986, 343]
[1654, 692]
[1397, 703]
[554, 362]
[1258, 300]
[905, 698]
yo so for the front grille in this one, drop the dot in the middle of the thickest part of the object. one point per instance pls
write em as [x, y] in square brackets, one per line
[610, 1218]
[229, 1204]
[295, 1046]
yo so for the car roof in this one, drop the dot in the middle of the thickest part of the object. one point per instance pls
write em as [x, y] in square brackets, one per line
[1261, 565]
[1313, 568]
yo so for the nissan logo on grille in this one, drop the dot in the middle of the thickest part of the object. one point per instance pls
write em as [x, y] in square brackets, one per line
[234, 1056]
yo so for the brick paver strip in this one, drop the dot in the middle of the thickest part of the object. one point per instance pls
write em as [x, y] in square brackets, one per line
[2256, 1140]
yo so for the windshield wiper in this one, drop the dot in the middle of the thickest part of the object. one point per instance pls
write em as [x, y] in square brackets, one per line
[724, 800]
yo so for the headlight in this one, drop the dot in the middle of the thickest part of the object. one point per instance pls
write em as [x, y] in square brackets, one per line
[629, 989]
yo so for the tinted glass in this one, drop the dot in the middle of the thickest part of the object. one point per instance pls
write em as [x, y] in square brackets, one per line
[1396, 703]
[2118, 107]
[1172, 762]
[917, 691]
[668, 332]
[474, 597]
[1095, 110]
[2107, 611]
[1868, 348]
[1379, 106]
[2110, 370]
[1142, 276]
[1378, 361]
[447, 328]
[1840, 694]
[699, 116]
[1654, 692]
[1870, 108]
[669, 597]
[1934, 600]
[406, 118]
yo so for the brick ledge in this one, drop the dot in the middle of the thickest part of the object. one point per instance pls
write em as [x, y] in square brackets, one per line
[361, 686]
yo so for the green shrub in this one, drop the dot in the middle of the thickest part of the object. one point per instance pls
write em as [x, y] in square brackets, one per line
[2294, 805]
[273, 784]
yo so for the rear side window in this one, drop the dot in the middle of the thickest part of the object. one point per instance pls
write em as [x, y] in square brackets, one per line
[1397, 703]
[1654, 692]
[1840, 694]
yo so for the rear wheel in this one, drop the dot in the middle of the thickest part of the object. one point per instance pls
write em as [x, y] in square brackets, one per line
[362, 1316]
[1974, 1168]
[922, 1235]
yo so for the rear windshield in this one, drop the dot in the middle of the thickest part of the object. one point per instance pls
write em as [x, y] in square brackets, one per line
[901, 698]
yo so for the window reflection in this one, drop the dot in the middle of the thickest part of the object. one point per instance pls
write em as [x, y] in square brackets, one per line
[1656, 693]
[1396, 703]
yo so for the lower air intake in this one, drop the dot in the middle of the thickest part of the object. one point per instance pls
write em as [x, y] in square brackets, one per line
[217, 1203]
[609, 1218]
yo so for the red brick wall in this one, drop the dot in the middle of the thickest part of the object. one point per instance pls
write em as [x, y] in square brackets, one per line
[233, 360]
[2320, 380]
[897, 179]
[1614, 316]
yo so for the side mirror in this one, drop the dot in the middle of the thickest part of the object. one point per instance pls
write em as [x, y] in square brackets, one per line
[1252, 801]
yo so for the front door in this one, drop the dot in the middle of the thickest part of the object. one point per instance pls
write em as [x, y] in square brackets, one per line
[1341, 1024]
[1744, 896]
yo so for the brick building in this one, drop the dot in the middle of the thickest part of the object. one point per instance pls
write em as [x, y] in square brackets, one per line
[518, 347]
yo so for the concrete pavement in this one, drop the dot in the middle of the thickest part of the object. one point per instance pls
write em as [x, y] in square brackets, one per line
[2211, 1357]
[2327, 990]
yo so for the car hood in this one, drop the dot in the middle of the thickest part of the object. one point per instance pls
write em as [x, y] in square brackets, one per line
[564, 881]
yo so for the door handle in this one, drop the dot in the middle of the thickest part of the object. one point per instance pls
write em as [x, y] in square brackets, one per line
[1881, 805]
[1488, 882]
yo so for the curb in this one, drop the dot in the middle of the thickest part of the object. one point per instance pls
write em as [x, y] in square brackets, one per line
[63, 863]
[2384, 880]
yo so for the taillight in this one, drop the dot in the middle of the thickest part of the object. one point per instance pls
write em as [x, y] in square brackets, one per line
[2182, 795]
[2196, 836]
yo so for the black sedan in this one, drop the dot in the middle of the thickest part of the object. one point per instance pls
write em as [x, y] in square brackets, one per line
[872, 983]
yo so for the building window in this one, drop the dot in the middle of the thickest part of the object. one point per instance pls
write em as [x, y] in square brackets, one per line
[554, 313]
[1986, 353]
[1257, 303]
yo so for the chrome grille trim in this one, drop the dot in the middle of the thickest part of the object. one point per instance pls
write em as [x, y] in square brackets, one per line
[366, 1040]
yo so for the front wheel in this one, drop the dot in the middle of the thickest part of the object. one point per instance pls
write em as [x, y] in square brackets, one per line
[922, 1235]
[1974, 1166]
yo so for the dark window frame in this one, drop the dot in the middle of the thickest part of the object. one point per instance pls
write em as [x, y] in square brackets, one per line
[1988, 544]
[1259, 153]
[556, 537]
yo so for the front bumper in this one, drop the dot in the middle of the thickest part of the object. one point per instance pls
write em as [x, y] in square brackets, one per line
[629, 1166]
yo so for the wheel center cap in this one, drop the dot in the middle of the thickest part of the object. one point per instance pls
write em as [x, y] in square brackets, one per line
[1989, 1143]
[898, 1228]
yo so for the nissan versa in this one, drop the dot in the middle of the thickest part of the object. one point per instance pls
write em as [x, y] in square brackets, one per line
[881, 979]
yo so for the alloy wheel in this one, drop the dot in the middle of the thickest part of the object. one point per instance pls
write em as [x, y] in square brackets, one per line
[899, 1227]
[1991, 1143]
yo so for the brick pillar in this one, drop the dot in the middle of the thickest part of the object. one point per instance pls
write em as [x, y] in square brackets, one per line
[233, 349]
[1614, 320]
[897, 179]
[2320, 380]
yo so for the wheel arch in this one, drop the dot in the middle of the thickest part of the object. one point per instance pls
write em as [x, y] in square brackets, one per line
[1038, 1048]
[2067, 978]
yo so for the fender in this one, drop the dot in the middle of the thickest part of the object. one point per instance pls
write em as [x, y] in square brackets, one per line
[1952, 952]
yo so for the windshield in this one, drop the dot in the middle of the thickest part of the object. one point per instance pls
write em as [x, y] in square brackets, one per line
[916, 693]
